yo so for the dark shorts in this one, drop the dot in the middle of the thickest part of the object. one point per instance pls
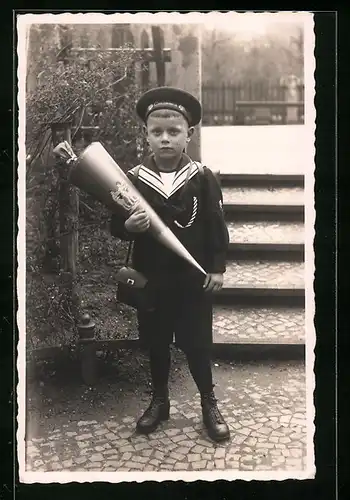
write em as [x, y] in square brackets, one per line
[182, 311]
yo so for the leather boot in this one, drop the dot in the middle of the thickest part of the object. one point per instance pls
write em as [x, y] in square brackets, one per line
[212, 418]
[157, 411]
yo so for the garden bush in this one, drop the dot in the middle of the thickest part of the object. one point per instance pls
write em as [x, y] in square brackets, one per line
[95, 91]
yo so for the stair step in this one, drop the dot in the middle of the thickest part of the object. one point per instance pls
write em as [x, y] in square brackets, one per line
[242, 325]
[252, 212]
[263, 196]
[266, 232]
[263, 284]
[264, 274]
[260, 180]
[261, 297]
[262, 204]
[259, 240]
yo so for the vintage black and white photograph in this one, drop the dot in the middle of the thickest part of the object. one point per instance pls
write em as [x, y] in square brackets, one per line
[165, 246]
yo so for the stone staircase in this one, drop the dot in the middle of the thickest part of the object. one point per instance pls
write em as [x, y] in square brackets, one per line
[259, 313]
[260, 310]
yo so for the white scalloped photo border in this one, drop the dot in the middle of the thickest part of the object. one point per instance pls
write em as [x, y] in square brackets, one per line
[23, 21]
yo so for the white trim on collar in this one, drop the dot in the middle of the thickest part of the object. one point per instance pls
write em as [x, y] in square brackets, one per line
[153, 179]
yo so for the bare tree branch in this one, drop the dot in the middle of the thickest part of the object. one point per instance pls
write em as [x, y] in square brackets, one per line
[80, 121]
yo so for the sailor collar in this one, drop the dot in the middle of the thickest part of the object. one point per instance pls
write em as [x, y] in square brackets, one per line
[148, 173]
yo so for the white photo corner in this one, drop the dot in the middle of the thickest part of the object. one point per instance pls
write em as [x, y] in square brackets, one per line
[165, 247]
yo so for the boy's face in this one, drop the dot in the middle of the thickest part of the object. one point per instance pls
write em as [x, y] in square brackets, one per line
[168, 134]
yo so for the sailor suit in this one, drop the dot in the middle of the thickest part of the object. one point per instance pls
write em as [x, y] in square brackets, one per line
[191, 206]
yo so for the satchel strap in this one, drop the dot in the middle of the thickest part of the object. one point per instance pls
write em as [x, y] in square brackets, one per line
[129, 252]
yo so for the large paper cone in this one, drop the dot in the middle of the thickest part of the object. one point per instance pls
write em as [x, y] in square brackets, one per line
[96, 173]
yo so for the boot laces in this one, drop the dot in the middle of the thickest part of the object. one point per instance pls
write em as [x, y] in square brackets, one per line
[211, 402]
[155, 402]
[215, 412]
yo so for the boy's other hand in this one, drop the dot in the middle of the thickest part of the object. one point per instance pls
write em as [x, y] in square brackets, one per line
[213, 282]
[138, 222]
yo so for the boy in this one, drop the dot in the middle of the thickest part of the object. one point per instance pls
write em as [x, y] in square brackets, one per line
[189, 200]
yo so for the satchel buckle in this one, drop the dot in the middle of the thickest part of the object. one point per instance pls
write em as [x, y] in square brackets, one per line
[130, 281]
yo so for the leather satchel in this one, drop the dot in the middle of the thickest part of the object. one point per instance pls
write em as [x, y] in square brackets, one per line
[133, 287]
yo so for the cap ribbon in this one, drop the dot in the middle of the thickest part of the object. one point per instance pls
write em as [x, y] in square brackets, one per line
[168, 105]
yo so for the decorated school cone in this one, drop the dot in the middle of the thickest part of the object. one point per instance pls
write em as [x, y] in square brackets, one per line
[95, 172]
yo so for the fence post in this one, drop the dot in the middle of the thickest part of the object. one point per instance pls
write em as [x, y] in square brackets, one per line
[291, 96]
[234, 99]
[301, 110]
[145, 70]
[69, 218]
[87, 349]
[68, 221]
[223, 103]
[68, 203]
[158, 44]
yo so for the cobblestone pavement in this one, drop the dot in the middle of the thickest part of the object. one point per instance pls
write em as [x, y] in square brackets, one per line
[263, 196]
[256, 150]
[264, 407]
[264, 274]
[266, 232]
[245, 325]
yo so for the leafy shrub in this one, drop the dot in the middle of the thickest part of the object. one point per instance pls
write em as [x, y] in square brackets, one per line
[87, 91]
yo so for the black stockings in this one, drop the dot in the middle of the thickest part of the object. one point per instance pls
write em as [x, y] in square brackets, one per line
[198, 361]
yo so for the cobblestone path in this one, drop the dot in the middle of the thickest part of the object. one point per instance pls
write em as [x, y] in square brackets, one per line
[264, 407]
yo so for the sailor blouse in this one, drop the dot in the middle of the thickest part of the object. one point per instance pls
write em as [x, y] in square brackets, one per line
[192, 208]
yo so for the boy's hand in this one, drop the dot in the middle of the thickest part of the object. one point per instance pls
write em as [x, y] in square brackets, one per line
[213, 282]
[138, 222]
